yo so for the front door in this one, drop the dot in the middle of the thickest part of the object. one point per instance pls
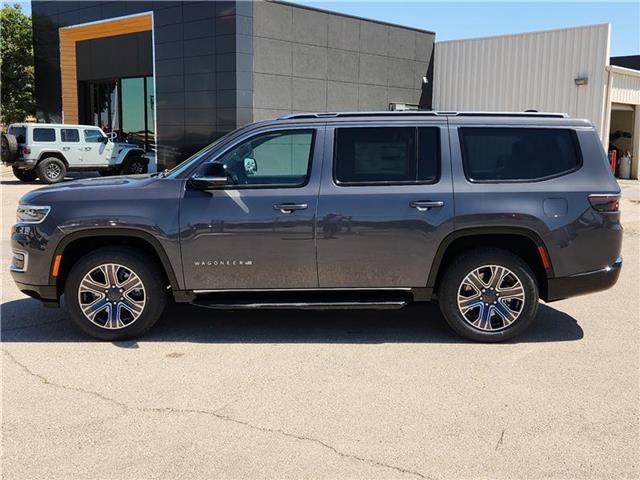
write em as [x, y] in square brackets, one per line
[385, 205]
[95, 152]
[257, 232]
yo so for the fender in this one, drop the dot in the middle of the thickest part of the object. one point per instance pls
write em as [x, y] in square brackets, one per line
[118, 232]
[474, 231]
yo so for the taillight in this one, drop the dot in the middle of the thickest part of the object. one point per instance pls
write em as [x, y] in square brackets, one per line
[25, 150]
[605, 202]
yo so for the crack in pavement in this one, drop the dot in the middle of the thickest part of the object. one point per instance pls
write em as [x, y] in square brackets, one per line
[219, 416]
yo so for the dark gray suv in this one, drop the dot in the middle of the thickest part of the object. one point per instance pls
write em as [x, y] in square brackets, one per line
[487, 213]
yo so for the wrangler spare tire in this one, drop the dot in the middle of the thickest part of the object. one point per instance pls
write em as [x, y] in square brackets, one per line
[9, 148]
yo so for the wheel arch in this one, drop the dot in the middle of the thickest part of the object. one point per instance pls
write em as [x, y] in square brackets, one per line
[53, 153]
[73, 246]
[519, 240]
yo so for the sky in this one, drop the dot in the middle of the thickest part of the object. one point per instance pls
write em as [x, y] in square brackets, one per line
[455, 20]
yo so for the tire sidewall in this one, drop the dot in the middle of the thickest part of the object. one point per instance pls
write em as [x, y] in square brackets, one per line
[146, 271]
[130, 161]
[42, 170]
[448, 293]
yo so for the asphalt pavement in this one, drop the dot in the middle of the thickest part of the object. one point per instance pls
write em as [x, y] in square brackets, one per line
[337, 394]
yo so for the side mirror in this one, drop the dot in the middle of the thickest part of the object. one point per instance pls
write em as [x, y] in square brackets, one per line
[214, 175]
[105, 140]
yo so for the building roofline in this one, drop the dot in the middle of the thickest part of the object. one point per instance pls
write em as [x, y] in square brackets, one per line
[354, 17]
[623, 70]
[523, 34]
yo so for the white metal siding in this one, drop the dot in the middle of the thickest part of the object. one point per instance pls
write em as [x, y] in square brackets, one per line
[625, 86]
[525, 71]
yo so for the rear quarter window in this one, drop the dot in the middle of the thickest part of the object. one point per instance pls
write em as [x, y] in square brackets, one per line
[19, 132]
[518, 154]
[44, 135]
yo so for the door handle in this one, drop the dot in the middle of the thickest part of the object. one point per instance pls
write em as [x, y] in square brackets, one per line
[86, 149]
[424, 205]
[289, 207]
[65, 149]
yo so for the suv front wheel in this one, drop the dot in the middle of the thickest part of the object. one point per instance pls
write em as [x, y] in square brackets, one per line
[115, 293]
[488, 295]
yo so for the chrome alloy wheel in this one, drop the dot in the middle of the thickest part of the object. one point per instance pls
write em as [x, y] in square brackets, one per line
[491, 298]
[53, 171]
[112, 296]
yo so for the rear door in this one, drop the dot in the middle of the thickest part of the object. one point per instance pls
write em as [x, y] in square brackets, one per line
[71, 145]
[386, 204]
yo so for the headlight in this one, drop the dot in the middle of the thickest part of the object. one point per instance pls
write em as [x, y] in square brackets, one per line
[32, 213]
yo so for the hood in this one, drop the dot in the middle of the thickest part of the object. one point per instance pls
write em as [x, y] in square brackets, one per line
[90, 188]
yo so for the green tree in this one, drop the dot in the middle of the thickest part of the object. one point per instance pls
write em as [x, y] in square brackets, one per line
[16, 71]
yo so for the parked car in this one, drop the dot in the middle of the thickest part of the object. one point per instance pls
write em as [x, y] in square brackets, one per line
[485, 213]
[49, 151]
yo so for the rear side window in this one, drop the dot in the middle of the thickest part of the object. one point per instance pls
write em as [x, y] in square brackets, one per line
[19, 132]
[69, 135]
[512, 154]
[386, 155]
[44, 135]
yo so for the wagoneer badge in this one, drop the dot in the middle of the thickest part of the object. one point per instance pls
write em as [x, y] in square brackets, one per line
[222, 263]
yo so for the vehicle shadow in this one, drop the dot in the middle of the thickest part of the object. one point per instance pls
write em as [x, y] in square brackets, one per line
[11, 180]
[27, 320]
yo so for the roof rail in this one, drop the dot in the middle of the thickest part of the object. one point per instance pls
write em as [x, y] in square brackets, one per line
[418, 113]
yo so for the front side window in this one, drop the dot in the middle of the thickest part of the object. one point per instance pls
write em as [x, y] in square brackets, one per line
[278, 158]
[512, 154]
[44, 135]
[386, 155]
[93, 136]
[69, 135]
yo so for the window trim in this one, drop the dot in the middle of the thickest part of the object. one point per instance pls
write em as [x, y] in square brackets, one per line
[33, 135]
[62, 140]
[307, 178]
[384, 183]
[574, 140]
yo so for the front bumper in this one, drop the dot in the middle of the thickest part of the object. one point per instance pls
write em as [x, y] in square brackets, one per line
[47, 294]
[582, 283]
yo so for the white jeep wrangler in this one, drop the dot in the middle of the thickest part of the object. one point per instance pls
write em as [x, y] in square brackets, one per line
[48, 151]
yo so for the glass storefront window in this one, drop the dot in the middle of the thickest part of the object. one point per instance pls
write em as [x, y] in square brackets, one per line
[125, 107]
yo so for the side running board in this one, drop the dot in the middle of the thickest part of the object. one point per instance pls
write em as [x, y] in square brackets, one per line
[381, 305]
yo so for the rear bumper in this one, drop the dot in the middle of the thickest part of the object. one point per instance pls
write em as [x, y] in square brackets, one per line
[23, 163]
[582, 283]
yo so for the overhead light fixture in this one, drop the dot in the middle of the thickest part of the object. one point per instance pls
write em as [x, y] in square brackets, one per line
[581, 81]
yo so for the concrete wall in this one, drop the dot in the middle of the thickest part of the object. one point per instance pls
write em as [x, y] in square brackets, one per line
[310, 60]
[526, 71]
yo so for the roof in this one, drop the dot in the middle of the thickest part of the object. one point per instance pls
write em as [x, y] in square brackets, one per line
[419, 113]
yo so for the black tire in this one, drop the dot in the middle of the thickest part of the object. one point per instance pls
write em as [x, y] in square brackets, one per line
[133, 260]
[51, 170]
[133, 165]
[9, 148]
[24, 175]
[452, 283]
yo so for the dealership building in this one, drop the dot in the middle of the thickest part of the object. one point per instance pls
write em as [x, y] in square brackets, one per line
[173, 76]
[180, 74]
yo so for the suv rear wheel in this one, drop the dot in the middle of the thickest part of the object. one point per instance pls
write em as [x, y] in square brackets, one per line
[115, 293]
[51, 170]
[24, 175]
[488, 295]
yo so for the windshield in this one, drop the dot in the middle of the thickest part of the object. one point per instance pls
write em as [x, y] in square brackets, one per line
[182, 167]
